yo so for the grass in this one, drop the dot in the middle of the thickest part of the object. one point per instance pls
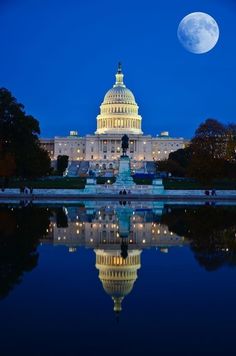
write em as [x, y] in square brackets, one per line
[192, 185]
[79, 183]
[57, 183]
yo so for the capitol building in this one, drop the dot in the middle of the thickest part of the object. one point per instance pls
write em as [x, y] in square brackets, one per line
[119, 115]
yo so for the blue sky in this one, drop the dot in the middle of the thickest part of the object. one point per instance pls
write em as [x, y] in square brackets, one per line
[59, 57]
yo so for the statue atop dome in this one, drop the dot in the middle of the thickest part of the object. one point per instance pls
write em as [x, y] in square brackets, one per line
[119, 68]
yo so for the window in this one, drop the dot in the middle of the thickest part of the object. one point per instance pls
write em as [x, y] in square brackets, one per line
[92, 157]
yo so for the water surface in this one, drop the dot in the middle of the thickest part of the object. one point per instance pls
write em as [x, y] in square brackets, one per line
[117, 279]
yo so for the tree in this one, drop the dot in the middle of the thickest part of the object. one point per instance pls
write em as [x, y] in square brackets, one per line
[62, 164]
[177, 162]
[182, 156]
[7, 167]
[231, 143]
[210, 139]
[213, 148]
[36, 164]
[19, 138]
[172, 167]
[211, 154]
[206, 169]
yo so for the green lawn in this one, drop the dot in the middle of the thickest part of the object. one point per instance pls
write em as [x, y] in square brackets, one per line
[223, 184]
[59, 183]
[79, 183]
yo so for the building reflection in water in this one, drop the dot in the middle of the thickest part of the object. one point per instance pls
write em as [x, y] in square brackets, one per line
[117, 234]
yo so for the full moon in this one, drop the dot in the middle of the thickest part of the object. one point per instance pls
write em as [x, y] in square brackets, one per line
[198, 32]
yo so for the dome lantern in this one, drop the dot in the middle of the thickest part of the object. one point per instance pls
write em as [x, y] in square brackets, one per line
[119, 77]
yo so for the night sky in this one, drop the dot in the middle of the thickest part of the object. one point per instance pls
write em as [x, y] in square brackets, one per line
[59, 57]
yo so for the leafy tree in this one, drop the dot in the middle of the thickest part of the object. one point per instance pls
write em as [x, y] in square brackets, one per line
[206, 169]
[210, 139]
[182, 156]
[231, 143]
[177, 163]
[37, 163]
[211, 154]
[62, 164]
[19, 139]
[172, 167]
[7, 167]
[213, 151]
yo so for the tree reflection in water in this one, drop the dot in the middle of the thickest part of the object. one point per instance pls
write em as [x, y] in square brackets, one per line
[20, 232]
[211, 231]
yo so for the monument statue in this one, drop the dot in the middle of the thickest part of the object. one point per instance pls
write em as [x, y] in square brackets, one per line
[124, 145]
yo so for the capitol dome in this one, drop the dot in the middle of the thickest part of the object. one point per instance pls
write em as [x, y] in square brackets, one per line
[119, 95]
[117, 275]
[119, 110]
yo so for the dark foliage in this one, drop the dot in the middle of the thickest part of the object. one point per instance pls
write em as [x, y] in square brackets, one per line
[211, 154]
[20, 232]
[20, 152]
[61, 218]
[210, 230]
[62, 164]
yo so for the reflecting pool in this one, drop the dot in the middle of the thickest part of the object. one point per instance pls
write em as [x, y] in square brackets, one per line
[119, 278]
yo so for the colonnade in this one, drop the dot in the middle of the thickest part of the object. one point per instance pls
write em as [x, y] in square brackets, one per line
[111, 123]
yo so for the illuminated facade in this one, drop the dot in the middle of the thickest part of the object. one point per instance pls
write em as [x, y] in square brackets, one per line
[119, 115]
